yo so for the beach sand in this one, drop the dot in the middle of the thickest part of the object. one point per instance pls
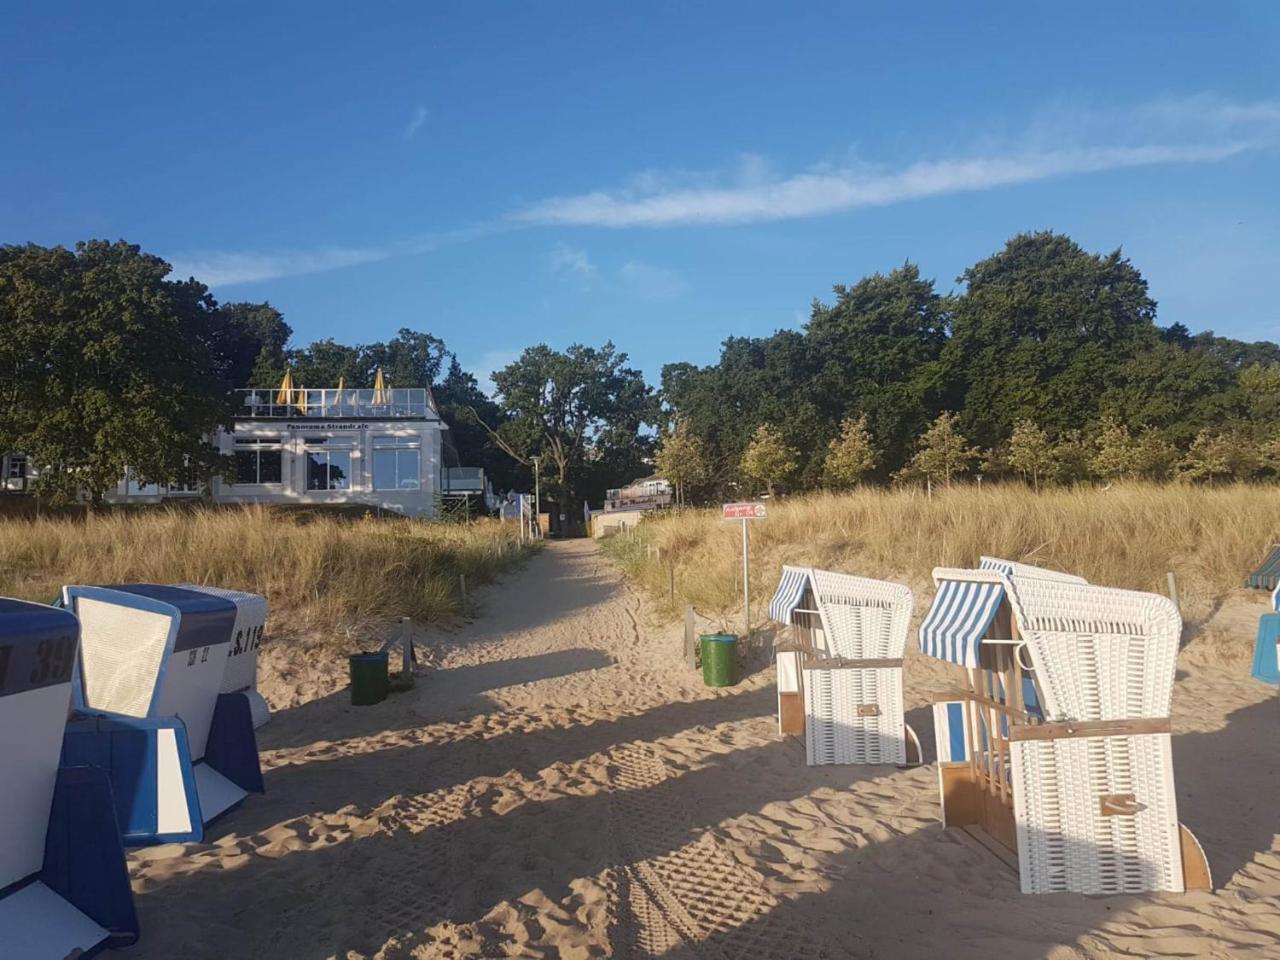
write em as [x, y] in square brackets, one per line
[558, 784]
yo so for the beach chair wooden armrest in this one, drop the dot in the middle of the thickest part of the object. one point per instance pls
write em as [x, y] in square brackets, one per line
[820, 661]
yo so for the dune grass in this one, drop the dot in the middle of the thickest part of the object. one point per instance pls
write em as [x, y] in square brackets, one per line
[1127, 536]
[324, 571]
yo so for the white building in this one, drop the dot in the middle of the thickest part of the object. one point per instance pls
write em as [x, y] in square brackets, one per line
[384, 448]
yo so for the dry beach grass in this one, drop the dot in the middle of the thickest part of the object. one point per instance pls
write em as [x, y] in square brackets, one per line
[1126, 536]
[316, 568]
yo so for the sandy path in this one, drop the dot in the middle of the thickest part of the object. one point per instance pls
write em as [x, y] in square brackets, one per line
[558, 786]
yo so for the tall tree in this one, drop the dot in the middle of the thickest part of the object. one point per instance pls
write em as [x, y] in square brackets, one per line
[572, 408]
[942, 453]
[1030, 452]
[768, 461]
[410, 359]
[1042, 331]
[682, 461]
[874, 351]
[105, 364]
[257, 336]
[850, 456]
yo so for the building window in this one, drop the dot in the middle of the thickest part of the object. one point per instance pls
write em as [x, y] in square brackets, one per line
[17, 468]
[258, 460]
[329, 463]
[397, 463]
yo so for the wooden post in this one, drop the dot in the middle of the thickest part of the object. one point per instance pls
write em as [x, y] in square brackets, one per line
[671, 581]
[1173, 590]
[462, 587]
[690, 651]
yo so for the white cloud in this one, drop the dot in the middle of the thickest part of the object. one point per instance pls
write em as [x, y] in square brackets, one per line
[652, 283]
[1196, 130]
[225, 269]
[573, 261]
[416, 120]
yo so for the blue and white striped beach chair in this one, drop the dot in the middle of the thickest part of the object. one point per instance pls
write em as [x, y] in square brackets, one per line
[150, 708]
[844, 665]
[64, 887]
[1059, 747]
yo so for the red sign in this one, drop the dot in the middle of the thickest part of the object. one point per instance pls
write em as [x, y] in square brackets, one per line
[744, 511]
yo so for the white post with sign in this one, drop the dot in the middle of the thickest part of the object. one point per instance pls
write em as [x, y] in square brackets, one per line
[744, 512]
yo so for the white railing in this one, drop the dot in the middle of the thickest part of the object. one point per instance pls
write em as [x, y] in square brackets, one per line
[390, 403]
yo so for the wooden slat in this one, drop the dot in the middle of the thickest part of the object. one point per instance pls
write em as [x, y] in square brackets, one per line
[1090, 728]
[1195, 868]
[791, 713]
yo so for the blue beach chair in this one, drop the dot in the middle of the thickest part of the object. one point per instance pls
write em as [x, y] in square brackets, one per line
[150, 711]
[64, 886]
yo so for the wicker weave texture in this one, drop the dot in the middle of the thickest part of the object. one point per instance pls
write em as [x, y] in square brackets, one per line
[838, 727]
[1098, 653]
[863, 618]
[121, 650]
[1070, 836]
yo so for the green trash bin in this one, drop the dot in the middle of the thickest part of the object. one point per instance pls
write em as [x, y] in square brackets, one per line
[368, 678]
[719, 659]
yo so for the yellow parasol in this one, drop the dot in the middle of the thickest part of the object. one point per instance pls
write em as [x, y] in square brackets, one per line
[286, 385]
[379, 388]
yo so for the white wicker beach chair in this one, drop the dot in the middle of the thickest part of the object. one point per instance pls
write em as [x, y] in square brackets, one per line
[1094, 793]
[1058, 748]
[849, 666]
[64, 887]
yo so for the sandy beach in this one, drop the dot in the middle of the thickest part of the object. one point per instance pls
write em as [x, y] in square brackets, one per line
[559, 785]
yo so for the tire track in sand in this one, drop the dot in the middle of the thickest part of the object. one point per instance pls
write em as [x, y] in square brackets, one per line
[695, 895]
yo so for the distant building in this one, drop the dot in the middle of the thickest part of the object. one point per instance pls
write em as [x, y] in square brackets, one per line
[651, 493]
[386, 448]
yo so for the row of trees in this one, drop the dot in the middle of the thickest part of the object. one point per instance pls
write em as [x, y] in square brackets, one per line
[107, 363]
[1048, 365]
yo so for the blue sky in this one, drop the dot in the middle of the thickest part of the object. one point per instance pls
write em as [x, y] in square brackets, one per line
[662, 174]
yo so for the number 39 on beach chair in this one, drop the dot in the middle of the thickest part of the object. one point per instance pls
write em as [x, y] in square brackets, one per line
[1058, 749]
[840, 674]
[150, 711]
[64, 887]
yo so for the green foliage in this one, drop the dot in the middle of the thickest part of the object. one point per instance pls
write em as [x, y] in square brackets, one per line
[581, 410]
[1042, 327]
[1116, 454]
[106, 364]
[767, 461]
[1217, 455]
[682, 461]
[850, 456]
[1030, 452]
[943, 453]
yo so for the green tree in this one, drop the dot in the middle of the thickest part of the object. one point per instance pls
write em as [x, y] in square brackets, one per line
[767, 461]
[1042, 331]
[1155, 458]
[682, 461]
[1116, 453]
[581, 410]
[410, 359]
[943, 453]
[325, 362]
[850, 456]
[1215, 455]
[874, 351]
[1072, 452]
[258, 335]
[1030, 452]
[105, 364]
[1260, 391]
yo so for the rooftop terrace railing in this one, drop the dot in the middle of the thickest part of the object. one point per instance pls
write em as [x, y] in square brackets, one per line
[407, 403]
